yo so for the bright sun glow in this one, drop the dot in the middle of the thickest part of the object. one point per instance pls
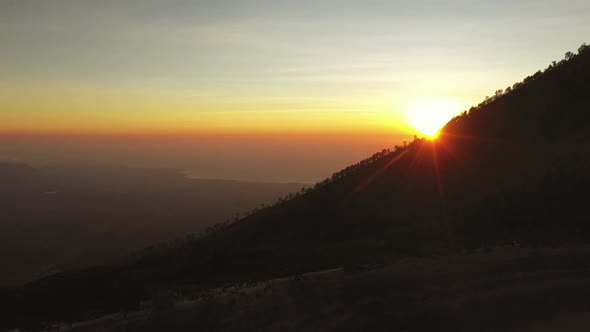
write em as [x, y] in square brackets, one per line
[427, 116]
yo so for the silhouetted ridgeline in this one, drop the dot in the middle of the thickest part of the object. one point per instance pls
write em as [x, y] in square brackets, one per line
[513, 169]
[551, 104]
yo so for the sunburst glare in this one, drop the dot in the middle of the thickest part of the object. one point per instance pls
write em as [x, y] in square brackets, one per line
[428, 115]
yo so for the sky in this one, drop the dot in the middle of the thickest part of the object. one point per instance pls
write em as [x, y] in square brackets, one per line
[358, 74]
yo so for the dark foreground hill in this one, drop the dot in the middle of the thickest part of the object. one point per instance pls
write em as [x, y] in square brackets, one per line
[498, 289]
[512, 171]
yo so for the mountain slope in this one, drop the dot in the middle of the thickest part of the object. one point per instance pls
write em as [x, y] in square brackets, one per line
[513, 169]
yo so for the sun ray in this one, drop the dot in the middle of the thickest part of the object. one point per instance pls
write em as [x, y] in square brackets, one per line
[377, 174]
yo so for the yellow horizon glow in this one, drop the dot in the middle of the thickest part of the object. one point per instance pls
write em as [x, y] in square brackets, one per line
[99, 110]
[63, 113]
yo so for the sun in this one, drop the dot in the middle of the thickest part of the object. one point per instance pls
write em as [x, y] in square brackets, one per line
[428, 115]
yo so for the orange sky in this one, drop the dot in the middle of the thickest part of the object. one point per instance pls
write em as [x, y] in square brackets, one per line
[259, 66]
[357, 74]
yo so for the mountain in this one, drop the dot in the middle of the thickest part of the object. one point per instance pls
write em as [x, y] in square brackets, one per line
[510, 171]
[19, 177]
[72, 216]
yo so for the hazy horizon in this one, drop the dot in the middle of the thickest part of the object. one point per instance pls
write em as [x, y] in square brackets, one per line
[284, 158]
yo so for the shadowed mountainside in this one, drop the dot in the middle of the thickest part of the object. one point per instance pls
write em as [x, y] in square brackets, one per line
[514, 169]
